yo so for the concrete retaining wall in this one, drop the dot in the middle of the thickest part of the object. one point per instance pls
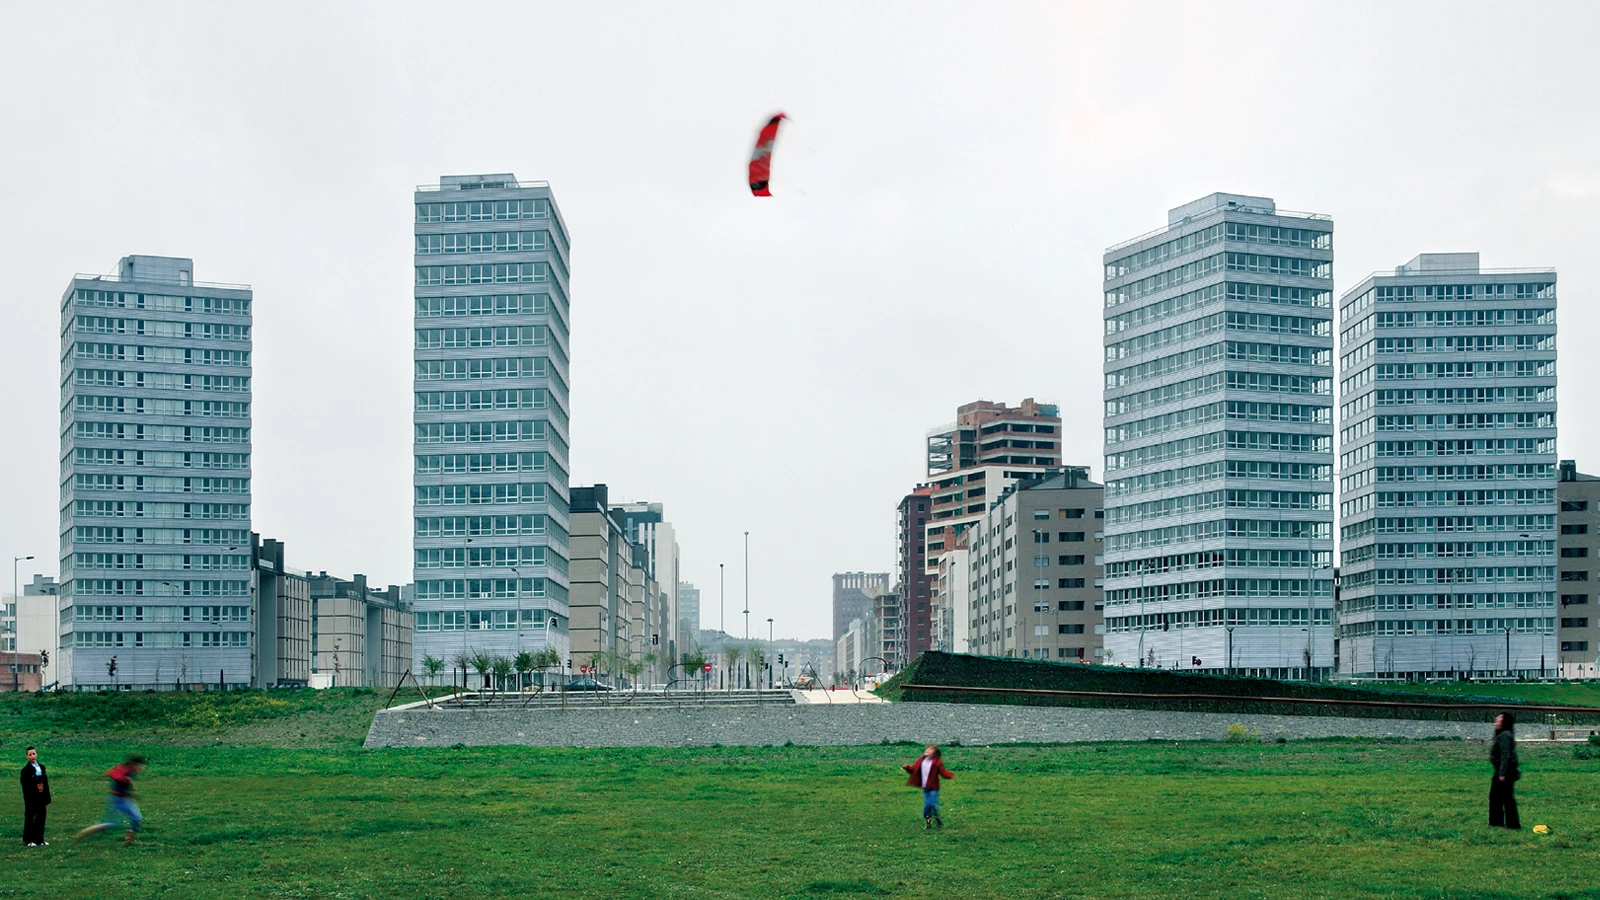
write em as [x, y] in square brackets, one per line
[941, 723]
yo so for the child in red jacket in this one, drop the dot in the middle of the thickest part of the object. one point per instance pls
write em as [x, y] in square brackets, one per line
[925, 773]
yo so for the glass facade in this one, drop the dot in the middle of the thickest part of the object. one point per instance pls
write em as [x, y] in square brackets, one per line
[1219, 442]
[490, 521]
[155, 479]
[1448, 472]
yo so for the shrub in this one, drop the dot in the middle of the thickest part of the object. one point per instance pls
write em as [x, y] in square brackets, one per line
[1238, 734]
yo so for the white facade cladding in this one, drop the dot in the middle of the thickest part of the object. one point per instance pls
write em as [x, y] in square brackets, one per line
[1447, 495]
[155, 480]
[1219, 442]
[491, 498]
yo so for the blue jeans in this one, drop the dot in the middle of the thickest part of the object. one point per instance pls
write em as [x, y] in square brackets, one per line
[123, 808]
[930, 803]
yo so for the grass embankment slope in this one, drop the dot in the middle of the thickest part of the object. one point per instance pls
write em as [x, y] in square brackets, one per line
[965, 670]
[232, 815]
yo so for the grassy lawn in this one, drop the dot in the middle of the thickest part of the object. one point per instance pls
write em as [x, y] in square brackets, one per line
[1571, 693]
[230, 816]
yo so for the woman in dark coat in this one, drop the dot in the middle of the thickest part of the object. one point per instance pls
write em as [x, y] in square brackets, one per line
[1503, 756]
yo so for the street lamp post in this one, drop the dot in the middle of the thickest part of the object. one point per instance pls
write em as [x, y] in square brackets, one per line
[722, 598]
[16, 633]
[747, 585]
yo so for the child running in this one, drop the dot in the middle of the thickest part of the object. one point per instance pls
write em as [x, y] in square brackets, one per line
[120, 805]
[925, 773]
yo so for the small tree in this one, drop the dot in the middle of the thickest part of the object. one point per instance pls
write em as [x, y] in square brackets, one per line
[756, 657]
[433, 665]
[633, 668]
[501, 667]
[523, 664]
[544, 660]
[461, 661]
[483, 664]
[696, 661]
[730, 655]
[650, 660]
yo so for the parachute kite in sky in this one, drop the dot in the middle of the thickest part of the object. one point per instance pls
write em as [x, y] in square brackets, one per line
[761, 158]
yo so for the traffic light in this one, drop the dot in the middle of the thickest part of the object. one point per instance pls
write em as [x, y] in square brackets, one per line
[780, 660]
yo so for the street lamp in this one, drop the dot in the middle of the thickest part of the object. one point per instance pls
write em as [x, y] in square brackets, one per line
[747, 585]
[722, 605]
[16, 634]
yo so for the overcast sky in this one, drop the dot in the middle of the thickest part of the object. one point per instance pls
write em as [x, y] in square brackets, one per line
[951, 175]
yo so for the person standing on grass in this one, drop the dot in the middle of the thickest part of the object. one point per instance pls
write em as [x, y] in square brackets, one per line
[120, 806]
[35, 797]
[1503, 756]
[925, 773]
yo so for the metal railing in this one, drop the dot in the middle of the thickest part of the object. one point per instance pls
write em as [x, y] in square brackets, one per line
[218, 285]
[498, 186]
[1286, 213]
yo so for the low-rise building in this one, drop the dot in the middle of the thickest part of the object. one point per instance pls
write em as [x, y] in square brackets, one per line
[1036, 570]
[1578, 549]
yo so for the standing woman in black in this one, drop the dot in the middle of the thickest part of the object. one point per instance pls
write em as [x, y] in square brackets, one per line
[1503, 756]
[35, 797]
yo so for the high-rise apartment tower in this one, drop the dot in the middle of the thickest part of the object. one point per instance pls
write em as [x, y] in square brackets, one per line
[491, 400]
[155, 479]
[1219, 442]
[1447, 495]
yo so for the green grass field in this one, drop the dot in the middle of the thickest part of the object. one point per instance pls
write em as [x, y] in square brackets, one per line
[239, 804]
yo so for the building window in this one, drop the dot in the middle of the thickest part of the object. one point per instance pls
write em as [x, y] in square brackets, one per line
[1041, 514]
[1041, 537]
[1578, 528]
[1574, 576]
[1070, 561]
[1574, 552]
[1071, 513]
[1070, 605]
[1574, 505]
[1070, 537]
[1070, 629]
[1574, 623]
[1069, 582]
[1574, 646]
[1574, 599]
[1041, 562]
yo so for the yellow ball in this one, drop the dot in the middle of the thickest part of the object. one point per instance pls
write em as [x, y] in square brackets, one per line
[1541, 829]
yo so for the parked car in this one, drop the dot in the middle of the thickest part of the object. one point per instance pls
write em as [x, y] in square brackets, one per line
[586, 684]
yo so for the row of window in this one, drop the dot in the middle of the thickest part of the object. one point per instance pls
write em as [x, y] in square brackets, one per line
[1480, 600]
[458, 463]
[470, 369]
[471, 494]
[482, 432]
[480, 557]
[169, 355]
[135, 587]
[514, 398]
[224, 306]
[482, 242]
[1448, 525]
[1452, 293]
[141, 406]
[484, 210]
[1219, 440]
[1250, 617]
[100, 534]
[166, 562]
[487, 273]
[1230, 321]
[1237, 351]
[1448, 318]
[161, 329]
[489, 589]
[1214, 529]
[1449, 447]
[80, 613]
[122, 431]
[1449, 550]
[161, 381]
[168, 459]
[1236, 410]
[488, 336]
[1214, 471]
[94, 639]
[485, 526]
[1459, 575]
[1189, 504]
[1217, 559]
[1405, 474]
[487, 620]
[1265, 382]
[483, 305]
[117, 509]
[1430, 627]
[161, 484]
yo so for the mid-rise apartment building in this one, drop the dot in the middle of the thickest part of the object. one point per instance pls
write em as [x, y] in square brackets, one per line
[1447, 394]
[1219, 441]
[602, 558]
[852, 597]
[647, 527]
[1578, 562]
[1036, 568]
[688, 617]
[155, 479]
[971, 462]
[491, 388]
[911, 560]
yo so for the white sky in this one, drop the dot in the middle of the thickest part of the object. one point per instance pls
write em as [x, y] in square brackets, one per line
[952, 174]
